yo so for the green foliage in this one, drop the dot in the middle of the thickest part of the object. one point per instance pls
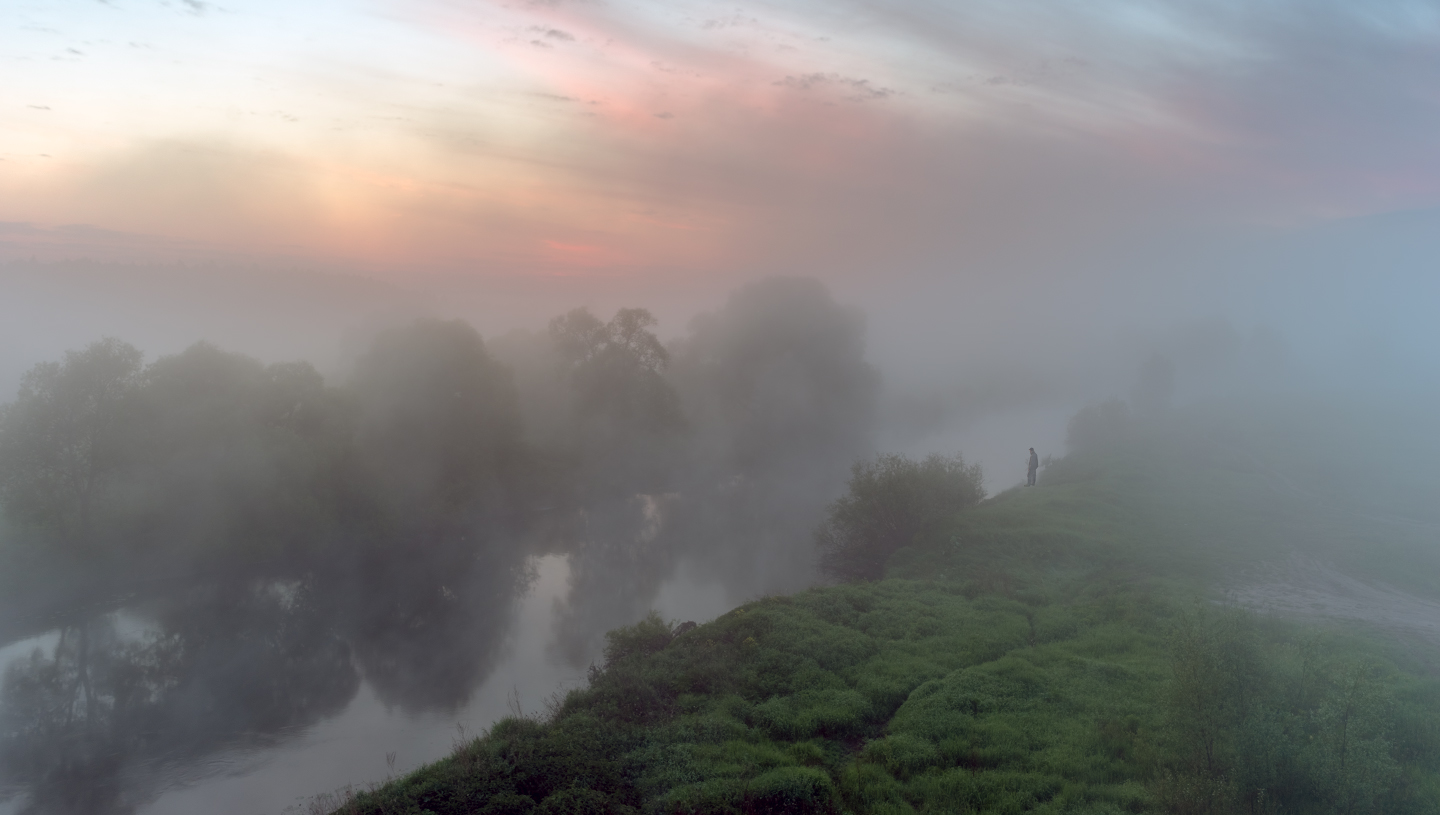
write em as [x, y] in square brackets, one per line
[1026, 653]
[228, 458]
[777, 383]
[837, 697]
[1099, 426]
[890, 499]
[626, 413]
[203, 457]
[580, 801]
[645, 637]
[1277, 726]
[1038, 652]
[212, 462]
[791, 789]
[437, 423]
[1217, 679]
[60, 441]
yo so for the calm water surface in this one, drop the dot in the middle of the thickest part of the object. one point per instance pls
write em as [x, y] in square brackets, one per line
[284, 708]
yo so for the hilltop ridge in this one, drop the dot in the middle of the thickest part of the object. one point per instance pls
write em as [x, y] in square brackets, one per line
[1079, 647]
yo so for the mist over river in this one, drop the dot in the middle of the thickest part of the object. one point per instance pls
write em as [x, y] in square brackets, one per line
[340, 724]
[362, 364]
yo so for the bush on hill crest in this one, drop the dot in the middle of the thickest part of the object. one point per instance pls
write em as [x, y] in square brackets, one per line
[889, 501]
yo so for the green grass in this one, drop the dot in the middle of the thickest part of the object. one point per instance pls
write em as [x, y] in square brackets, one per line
[1053, 650]
[851, 698]
[904, 696]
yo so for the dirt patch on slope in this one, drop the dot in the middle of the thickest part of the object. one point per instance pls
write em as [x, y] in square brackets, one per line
[1305, 588]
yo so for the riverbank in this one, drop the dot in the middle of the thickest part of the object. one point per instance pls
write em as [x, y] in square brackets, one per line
[1063, 649]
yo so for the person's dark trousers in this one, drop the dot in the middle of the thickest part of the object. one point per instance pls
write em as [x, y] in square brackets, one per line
[1030, 479]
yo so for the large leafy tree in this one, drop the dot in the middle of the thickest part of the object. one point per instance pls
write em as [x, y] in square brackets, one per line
[437, 422]
[232, 455]
[626, 413]
[782, 401]
[778, 383]
[60, 440]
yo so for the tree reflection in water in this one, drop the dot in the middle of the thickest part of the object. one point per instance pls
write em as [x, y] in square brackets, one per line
[92, 725]
[620, 554]
[103, 721]
[429, 625]
[380, 531]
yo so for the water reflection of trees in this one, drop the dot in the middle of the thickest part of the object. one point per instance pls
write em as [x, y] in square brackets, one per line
[778, 401]
[783, 401]
[381, 529]
[322, 535]
[428, 620]
[97, 721]
[619, 557]
[86, 726]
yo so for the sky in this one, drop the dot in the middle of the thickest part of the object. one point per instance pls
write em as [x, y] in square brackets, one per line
[592, 137]
[1010, 189]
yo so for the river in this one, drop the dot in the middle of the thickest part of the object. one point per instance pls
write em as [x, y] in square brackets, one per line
[170, 706]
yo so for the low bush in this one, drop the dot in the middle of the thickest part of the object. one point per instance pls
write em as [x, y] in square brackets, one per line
[889, 501]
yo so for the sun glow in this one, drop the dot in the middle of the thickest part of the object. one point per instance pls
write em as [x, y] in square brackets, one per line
[411, 134]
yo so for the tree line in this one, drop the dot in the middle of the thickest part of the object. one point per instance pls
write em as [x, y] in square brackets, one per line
[208, 461]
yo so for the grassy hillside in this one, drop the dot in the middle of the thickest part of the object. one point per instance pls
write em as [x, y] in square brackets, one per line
[1050, 650]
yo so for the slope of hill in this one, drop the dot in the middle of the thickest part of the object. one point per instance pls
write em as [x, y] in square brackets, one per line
[1064, 649]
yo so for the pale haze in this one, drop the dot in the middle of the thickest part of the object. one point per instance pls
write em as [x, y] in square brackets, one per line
[979, 217]
[985, 177]
[1025, 200]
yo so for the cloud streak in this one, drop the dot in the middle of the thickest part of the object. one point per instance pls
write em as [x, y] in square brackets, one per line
[718, 139]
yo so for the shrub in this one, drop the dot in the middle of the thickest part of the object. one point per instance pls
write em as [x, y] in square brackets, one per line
[645, 637]
[1098, 426]
[578, 801]
[792, 789]
[890, 500]
[508, 803]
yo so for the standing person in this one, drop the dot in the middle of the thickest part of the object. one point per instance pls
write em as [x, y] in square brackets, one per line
[1034, 467]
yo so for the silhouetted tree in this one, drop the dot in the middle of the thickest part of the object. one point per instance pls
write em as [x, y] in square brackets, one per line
[782, 401]
[778, 381]
[1098, 425]
[437, 425]
[59, 440]
[626, 413]
[891, 499]
[232, 457]
[1155, 389]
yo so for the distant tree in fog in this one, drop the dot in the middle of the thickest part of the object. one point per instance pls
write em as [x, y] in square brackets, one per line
[231, 454]
[543, 388]
[60, 439]
[437, 423]
[200, 453]
[625, 410]
[781, 401]
[777, 379]
[890, 500]
[1155, 389]
[1098, 425]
